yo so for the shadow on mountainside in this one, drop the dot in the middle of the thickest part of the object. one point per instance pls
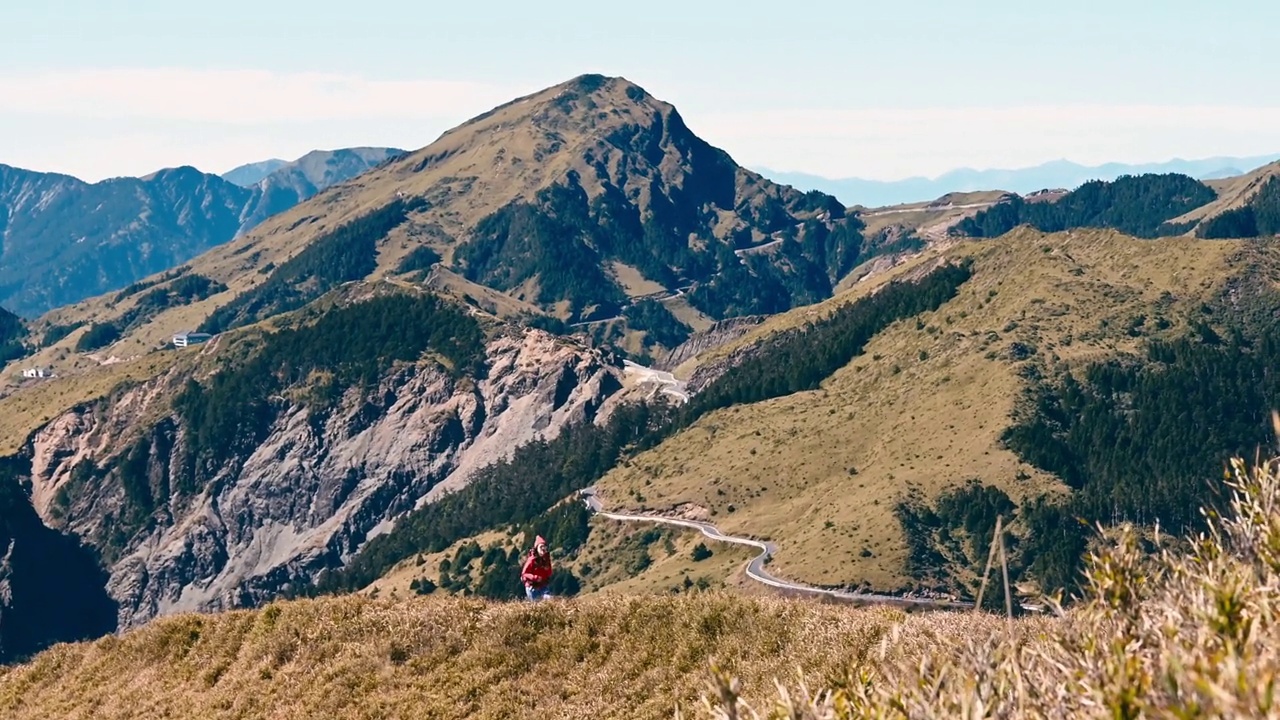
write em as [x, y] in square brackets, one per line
[52, 588]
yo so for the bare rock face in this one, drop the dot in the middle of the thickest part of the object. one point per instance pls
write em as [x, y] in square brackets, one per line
[318, 487]
[720, 333]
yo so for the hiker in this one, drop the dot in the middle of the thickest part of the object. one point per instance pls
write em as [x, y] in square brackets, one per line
[536, 574]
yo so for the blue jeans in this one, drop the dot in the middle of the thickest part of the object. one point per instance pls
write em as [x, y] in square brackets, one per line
[536, 594]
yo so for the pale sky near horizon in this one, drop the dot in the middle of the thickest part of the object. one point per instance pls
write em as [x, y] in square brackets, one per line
[876, 90]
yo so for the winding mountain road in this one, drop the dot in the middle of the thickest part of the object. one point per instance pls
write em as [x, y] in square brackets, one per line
[755, 568]
[666, 383]
[927, 208]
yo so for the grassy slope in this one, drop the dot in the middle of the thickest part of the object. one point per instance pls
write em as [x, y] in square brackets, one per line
[785, 464]
[604, 657]
[27, 405]
[1232, 193]
[930, 218]
[609, 548]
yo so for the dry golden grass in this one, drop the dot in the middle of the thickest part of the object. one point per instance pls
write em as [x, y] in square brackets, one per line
[612, 543]
[602, 564]
[490, 301]
[29, 406]
[1187, 633]
[598, 657]
[395, 583]
[922, 411]
[688, 314]
[632, 281]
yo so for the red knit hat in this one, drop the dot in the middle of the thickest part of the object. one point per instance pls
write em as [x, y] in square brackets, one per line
[539, 541]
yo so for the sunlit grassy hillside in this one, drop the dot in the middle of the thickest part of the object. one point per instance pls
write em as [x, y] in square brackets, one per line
[923, 410]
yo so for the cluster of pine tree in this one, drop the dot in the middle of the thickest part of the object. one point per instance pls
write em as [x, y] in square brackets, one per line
[1141, 206]
[347, 253]
[182, 291]
[564, 239]
[419, 260]
[958, 531]
[185, 290]
[554, 239]
[137, 287]
[99, 335]
[352, 346]
[660, 326]
[1142, 439]
[55, 332]
[801, 358]
[565, 528]
[1260, 218]
[12, 333]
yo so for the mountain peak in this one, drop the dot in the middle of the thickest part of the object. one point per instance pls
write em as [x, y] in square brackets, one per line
[587, 82]
[177, 173]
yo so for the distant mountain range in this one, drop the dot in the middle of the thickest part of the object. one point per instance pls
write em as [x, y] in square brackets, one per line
[63, 240]
[1057, 174]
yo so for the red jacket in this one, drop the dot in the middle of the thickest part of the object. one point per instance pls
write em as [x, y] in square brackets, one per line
[536, 570]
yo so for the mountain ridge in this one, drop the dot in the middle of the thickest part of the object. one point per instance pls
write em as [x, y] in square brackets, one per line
[616, 164]
[251, 174]
[63, 240]
[1049, 175]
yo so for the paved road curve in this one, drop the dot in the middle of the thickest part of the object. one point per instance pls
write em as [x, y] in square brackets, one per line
[755, 568]
[666, 382]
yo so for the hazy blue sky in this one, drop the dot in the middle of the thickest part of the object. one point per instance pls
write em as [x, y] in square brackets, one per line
[883, 90]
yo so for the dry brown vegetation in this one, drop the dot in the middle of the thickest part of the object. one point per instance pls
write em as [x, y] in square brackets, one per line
[601, 657]
[1185, 633]
[28, 405]
[923, 410]
[930, 218]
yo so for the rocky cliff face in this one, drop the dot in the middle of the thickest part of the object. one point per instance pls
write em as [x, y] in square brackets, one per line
[725, 331]
[317, 487]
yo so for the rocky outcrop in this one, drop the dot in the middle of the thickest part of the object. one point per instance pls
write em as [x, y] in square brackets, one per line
[707, 372]
[725, 331]
[317, 487]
